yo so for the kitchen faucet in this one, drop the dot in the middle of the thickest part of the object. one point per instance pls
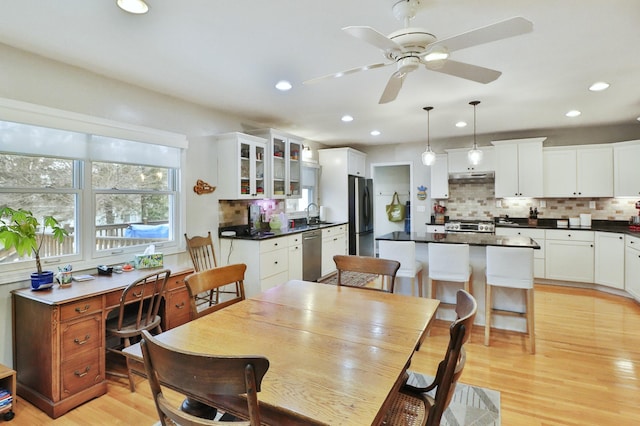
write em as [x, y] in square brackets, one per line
[315, 218]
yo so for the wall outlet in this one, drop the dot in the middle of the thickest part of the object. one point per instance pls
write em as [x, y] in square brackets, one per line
[592, 204]
[499, 203]
[543, 204]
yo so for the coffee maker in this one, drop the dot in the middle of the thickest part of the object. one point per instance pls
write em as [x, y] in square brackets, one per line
[254, 218]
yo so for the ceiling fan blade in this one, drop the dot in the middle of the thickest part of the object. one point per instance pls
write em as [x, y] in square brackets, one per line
[349, 71]
[374, 37]
[466, 71]
[393, 87]
[498, 31]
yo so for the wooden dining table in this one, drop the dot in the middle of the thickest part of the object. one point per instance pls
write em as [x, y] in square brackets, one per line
[337, 354]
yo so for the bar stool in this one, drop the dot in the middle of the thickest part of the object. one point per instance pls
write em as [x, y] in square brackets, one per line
[405, 253]
[449, 262]
[510, 267]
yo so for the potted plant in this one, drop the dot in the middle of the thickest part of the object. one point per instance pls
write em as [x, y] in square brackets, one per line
[20, 229]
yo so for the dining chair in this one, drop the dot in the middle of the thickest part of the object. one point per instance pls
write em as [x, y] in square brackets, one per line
[416, 404]
[212, 280]
[510, 267]
[449, 263]
[405, 253]
[201, 376]
[138, 311]
[203, 257]
[386, 268]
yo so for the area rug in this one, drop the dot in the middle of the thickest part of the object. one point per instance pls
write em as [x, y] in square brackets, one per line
[353, 279]
[470, 406]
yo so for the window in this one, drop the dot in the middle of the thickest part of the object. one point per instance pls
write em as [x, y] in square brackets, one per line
[114, 196]
[309, 189]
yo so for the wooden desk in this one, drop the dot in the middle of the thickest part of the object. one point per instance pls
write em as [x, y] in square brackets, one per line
[336, 354]
[59, 336]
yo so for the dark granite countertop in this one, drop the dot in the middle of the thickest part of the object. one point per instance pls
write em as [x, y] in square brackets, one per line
[275, 233]
[617, 226]
[470, 238]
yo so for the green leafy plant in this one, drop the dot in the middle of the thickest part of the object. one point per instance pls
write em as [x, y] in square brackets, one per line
[19, 229]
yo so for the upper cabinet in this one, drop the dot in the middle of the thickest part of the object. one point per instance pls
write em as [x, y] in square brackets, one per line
[626, 162]
[241, 166]
[440, 178]
[458, 160]
[284, 161]
[580, 171]
[518, 167]
[356, 163]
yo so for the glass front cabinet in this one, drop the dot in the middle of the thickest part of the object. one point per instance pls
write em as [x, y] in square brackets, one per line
[284, 153]
[242, 166]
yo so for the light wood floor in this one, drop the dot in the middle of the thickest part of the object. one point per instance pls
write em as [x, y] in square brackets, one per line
[586, 370]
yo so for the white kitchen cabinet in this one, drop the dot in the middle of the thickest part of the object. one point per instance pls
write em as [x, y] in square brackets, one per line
[518, 167]
[626, 170]
[569, 255]
[609, 259]
[458, 160]
[440, 178]
[295, 256]
[356, 163]
[537, 235]
[284, 154]
[242, 171]
[583, 171]
[632, 266]
[334, 180]
[334, 241]
[267, 261]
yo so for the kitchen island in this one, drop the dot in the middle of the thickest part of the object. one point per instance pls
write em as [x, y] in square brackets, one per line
[504, 298]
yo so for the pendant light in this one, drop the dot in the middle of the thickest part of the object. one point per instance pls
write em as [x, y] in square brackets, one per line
[474, 154]
[428, 157]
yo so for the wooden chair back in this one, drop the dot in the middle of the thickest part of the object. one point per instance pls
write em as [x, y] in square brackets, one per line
[203, 255]
[368, 265]
[140, 304]
[201, 376]
[214, 280]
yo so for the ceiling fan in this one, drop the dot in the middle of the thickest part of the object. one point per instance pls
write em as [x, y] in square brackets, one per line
[410, 47]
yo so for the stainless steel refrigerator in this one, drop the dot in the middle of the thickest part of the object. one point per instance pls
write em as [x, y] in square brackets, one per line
[361, 216]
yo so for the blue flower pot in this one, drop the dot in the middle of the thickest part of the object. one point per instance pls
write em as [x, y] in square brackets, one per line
[41, 281]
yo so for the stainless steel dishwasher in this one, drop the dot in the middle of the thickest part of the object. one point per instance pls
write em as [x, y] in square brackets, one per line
[311, 255]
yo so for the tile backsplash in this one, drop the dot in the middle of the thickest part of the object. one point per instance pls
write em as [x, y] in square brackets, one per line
[235, 212]
[477, 201]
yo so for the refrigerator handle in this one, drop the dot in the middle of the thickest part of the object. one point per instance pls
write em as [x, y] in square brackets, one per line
[367, 205]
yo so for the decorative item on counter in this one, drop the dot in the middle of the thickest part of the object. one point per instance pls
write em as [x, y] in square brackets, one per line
[203, 187]
[149, 259]
[395, 211]
[533, 216]
[64, 275]
[439, 212]
[422, 193]
[634, 221]
[274, 222]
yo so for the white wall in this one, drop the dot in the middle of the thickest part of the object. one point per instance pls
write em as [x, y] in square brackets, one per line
[37, 80]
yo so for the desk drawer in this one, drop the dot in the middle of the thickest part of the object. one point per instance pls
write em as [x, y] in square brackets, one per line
[83, 335]
[177, 309]
[81, 308]
[113, 298]
[177, 281]
[81, 372]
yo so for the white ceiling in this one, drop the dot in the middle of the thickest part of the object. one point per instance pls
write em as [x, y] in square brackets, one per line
[228, 54]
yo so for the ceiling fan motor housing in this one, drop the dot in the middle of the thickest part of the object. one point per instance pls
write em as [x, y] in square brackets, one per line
[413, 40]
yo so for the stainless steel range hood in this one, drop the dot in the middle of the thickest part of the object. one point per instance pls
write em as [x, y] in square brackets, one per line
[472, 177]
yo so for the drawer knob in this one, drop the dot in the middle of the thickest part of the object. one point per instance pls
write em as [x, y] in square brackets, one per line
[82, 342]
[180, 306]
[84, 373]
[83, 310]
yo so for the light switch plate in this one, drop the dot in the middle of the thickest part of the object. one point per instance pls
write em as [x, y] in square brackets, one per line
[498, 203]
[543, 204]
[592, 204]
[421, 209]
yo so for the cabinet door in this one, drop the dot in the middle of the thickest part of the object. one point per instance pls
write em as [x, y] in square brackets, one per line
[569, 260]
[241, 167]
[530, 174]
[458, 160]
[560, 173]
[632, 271]
[295, 262]
[356, 163]
[626, 170]
[609, 259]
[176, 308]
[595, 172]
[440, 178]
[278, 163]
[506, 161]
[293, 187]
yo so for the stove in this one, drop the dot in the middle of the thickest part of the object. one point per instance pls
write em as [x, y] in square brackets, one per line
[485, 227]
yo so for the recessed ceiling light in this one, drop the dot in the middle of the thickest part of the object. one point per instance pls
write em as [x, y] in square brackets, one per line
[375, 133]
[461, 124]
[573, 113]
[638, 118]
[599, 86]
[283, 85]
[137, 7]
[347, 118]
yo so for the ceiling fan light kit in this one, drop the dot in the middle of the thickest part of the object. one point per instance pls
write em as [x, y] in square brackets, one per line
[137, 7]
[474, 155]
[409, 47]
[428, 156]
